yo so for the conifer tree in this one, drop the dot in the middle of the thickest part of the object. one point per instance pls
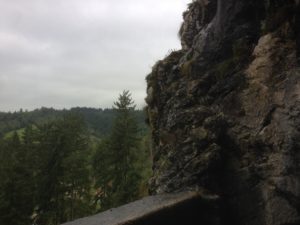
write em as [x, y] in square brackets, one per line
[16, 186]
[116, 159]
[64, 183]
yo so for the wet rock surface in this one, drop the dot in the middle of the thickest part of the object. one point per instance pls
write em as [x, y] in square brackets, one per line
[224, 111]
[179, 208]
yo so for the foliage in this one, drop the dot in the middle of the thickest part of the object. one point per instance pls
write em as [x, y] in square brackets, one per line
[16, 187]
[53, 169]
[117, 162]
[64, 185]
[45, 175]
[98, 121]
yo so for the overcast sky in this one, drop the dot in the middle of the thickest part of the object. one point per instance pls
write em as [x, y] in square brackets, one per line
[66, 53]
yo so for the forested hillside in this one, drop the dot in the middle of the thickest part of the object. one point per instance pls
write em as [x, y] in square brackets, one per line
[98, 121]
[59, 165]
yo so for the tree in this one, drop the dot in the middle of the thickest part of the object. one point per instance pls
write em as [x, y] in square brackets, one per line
[16, 183]
[64, 180]
[117, 177]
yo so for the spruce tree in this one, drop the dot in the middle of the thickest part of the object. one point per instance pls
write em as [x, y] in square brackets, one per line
[116, 159]
[16, 183]
[64, 180]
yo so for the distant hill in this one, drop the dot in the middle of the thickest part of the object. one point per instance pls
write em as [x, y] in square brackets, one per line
[99, 121]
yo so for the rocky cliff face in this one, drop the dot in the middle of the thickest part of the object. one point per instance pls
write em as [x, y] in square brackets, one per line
[225, 110]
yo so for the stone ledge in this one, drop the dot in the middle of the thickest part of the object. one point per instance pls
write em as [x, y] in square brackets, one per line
[178, 208]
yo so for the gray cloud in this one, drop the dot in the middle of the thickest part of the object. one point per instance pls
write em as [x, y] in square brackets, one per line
[65, 53]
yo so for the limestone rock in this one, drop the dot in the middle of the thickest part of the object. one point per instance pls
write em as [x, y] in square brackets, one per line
[227, 110]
